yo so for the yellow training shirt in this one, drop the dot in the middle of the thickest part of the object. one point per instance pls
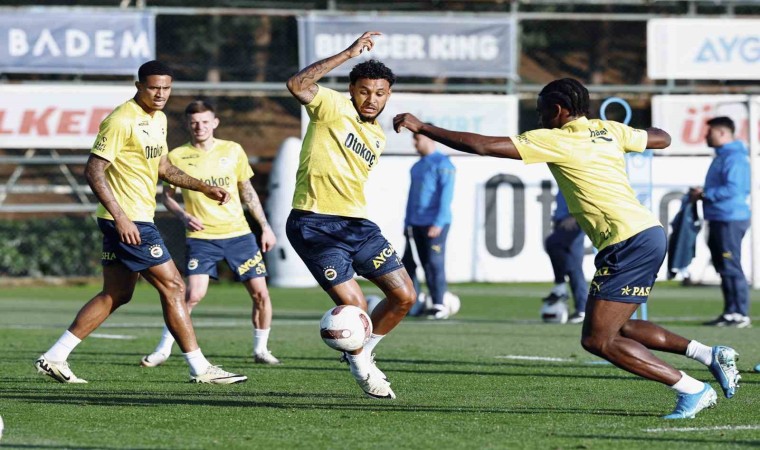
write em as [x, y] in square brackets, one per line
[133, 142]
[337, 154]
[586, 158]
[224, 165]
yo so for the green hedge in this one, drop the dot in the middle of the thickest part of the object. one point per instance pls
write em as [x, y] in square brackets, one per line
[66, 246]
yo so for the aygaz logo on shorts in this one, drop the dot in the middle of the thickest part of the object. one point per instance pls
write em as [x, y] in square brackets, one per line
[381, 258]
[192, 264]
[331, 273]
[156, 251]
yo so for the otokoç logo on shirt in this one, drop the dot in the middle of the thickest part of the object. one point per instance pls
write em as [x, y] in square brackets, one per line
[217, 181]
[357, 146]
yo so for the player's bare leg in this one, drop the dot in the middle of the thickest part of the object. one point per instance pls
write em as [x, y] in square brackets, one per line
[171, 290]
[602, 336]
[654, 337]
[399, 298]
[373, 381]
[197, 287]
[118, 287]
[261, 318]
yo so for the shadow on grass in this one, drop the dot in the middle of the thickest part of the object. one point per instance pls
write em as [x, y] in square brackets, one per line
[310, 401]
[638, 440]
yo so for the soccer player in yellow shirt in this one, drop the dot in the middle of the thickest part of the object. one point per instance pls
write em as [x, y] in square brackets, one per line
[328, 226]
[586, 157]
[126, 161]
[219, 232]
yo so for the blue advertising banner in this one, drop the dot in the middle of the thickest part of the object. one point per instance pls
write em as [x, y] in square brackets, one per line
[114, 43]
[416, 45]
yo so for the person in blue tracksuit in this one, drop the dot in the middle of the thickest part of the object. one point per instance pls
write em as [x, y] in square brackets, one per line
[725, 200]
[565, 249]
[428, 216]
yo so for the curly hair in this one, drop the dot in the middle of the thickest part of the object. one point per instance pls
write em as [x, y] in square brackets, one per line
[373, 70]
[568, 93]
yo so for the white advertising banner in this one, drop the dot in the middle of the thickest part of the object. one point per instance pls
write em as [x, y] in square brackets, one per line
[502, 213]
[685, 118]
[494, 115]
[56, 116]
[703, 49]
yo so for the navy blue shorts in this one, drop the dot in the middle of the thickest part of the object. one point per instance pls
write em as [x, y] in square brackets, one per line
[241, 253]
[333, 247]
[625, 272]
[151, 251]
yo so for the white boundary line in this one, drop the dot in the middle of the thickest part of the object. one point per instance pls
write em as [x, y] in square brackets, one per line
[716, 428]
[534, 358]
[124, 337]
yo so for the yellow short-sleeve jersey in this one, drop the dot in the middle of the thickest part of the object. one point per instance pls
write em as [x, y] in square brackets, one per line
[225, 165]
[338, 152]
[586, 157]
[133, 142]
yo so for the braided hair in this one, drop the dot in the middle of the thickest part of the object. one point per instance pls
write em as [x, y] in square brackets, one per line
[568, 93]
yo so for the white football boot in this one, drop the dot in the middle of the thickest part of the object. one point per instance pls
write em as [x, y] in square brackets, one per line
[57, 370]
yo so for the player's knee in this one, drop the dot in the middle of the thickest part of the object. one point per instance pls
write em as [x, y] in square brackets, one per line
[193, 298]
[117, 298]
[403, 298]
[260, 298]
[593, 344]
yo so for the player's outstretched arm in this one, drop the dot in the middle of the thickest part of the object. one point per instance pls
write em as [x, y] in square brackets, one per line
[303, 85]
[175, 176]
[250, 199]
[500, 147]
[95, 173]
[657, 138]
[168, 198]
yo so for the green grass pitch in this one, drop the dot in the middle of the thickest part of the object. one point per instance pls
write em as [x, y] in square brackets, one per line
[458, 382]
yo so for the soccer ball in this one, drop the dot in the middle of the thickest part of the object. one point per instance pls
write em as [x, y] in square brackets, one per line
[554, 312]
[1, 427]
[345, 328]
[452, 302]
[372, 302]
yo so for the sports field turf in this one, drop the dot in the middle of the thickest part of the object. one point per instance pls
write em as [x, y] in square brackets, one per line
[461, 383]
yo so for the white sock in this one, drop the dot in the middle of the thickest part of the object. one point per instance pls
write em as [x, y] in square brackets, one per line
[166, 343]
[63, 347]
[360, 363]
[198, 363]
[559, 289]
[688, 385]
[699, 352]
[374, 339]
[260, 338]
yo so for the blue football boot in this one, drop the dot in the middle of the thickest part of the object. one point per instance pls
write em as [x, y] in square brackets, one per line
[724, 369]
[688, 405]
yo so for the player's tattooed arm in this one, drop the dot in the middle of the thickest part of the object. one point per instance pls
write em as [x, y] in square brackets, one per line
[95, 173]
[303, 85]
[175, 176]
[250, 199]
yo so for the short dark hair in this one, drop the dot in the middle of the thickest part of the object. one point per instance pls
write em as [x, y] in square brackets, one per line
[568, 93]
[154, 67]
[198, 106]
[373, 70]
[722, 121]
